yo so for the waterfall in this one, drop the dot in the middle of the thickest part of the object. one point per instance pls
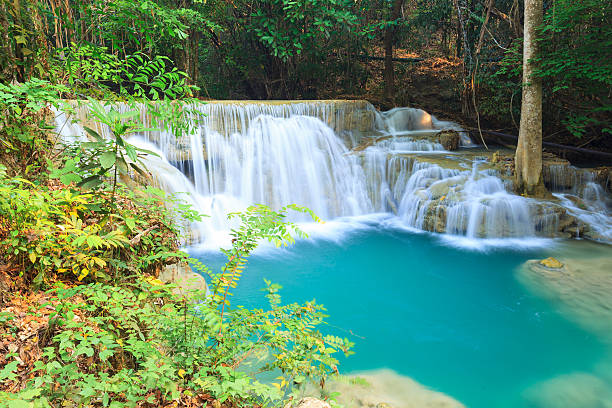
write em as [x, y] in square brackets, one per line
[343, 158]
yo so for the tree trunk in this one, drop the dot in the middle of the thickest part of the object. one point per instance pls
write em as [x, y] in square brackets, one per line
[459, 35]
[388, 45]
[528, 158]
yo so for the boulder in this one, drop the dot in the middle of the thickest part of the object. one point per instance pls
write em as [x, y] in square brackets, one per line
[435, 217]
[551, 263]
[450, 140]
[188, 282]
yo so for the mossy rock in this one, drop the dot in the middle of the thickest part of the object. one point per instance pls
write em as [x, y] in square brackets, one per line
[551, 263]
[450, 140]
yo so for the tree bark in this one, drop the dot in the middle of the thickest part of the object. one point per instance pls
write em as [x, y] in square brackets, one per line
[388, 45]
[528, 157]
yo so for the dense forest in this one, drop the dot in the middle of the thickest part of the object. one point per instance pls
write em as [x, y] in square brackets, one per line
[86, 320]
[463, 55]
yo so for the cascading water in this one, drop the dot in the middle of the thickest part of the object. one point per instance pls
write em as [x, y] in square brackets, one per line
[313, 154]
[583, 197]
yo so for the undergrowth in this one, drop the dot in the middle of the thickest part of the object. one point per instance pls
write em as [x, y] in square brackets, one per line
[85, 320]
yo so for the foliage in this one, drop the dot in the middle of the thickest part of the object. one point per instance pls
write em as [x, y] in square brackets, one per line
[64, 232]
[137, 75]
[92, 161]
[572, 65]
[138, 344]
[290, 28]
[575, 74]
[23, 123]
[279, 48]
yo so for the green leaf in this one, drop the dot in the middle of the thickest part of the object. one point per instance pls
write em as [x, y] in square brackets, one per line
[90, 182]
[131, 223]
[131, 152]
[19, 404]
[93, 133]
[70, 178]
[8, 372]
[107, 160]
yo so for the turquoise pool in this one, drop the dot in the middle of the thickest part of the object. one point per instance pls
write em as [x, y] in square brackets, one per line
[457, 320]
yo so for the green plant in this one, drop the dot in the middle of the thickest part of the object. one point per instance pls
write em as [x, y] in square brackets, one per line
[99, 236]
[95, 160]
[24, 127]
[137, 343]
[88, 69]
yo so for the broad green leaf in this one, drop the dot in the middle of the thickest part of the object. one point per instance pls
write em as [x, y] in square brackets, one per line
[107, 159]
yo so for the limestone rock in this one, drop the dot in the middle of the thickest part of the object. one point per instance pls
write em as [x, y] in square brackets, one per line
[581, 289]
[310, 402]
[435, 217]
[384, 389]
[187, 281]
[551, 263]
[450, 140]
[603, 175]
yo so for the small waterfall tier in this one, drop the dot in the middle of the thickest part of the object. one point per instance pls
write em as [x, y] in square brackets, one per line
[344, 158]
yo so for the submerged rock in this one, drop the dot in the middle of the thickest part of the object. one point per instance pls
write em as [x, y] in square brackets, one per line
[581, 288]
[577, 390]
[386, 389]
[309, 402]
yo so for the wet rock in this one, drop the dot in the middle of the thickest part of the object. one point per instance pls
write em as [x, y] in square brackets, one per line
[603, 175]
[441, 188]
[551, 263]
[407, 119]
[450, 140]
[557, 174]
[435, 217]
[504, 162]
[188, 282]
[360, 120]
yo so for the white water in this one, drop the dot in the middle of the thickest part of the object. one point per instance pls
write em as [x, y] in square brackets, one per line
[299, 153]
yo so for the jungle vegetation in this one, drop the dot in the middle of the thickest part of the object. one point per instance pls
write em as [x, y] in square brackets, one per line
[314, 49]
[84, 320]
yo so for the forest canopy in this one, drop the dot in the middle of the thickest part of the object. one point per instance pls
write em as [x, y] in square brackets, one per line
[308, 49]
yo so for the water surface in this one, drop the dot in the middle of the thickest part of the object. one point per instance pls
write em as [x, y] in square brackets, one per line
[456, 320]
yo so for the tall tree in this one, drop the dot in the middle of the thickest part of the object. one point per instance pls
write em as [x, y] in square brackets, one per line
[396, 13]
[528, 158]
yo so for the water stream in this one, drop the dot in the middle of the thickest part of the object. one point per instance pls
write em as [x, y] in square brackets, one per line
[395, 261]
[343, 158]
